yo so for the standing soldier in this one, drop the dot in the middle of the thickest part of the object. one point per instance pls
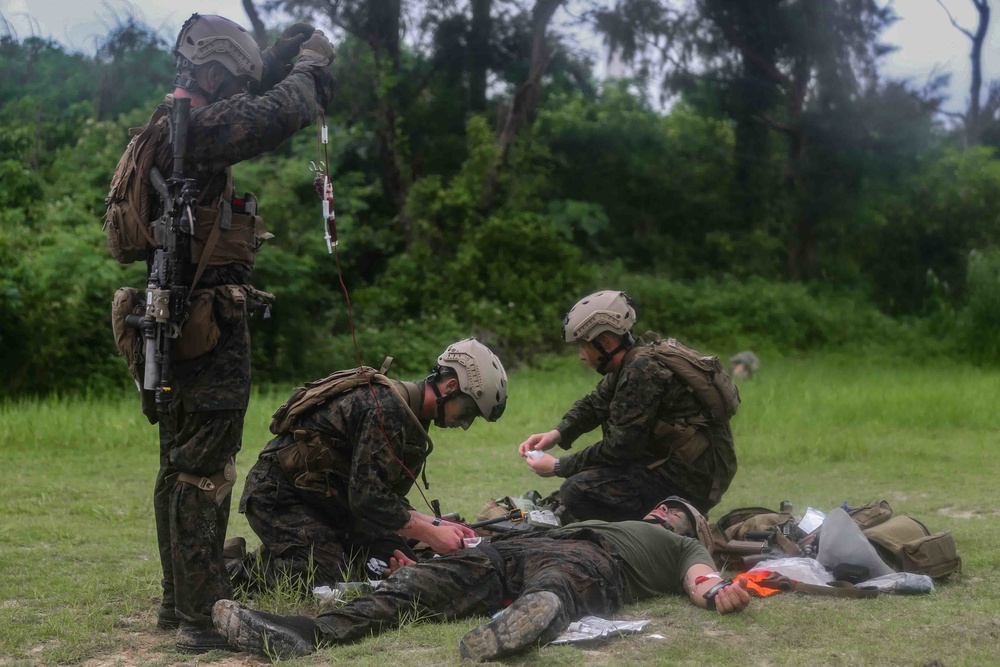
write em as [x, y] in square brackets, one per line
[664, 411]
[209, 250]
[330, 487]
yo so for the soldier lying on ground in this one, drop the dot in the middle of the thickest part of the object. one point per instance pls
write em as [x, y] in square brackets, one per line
[331, 487]
[552, 577]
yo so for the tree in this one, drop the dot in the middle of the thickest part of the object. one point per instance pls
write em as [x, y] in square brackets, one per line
[135, 67]
[784, 66]
[978, 116]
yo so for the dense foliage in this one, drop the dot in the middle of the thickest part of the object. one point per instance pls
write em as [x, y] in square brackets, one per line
[485, 180]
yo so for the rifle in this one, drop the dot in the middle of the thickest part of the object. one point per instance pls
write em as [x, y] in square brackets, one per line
[166, 298]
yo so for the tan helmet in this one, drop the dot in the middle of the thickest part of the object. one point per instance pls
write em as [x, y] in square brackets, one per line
[206, 38]
[607, 310]
[480, 375]
[701, 530]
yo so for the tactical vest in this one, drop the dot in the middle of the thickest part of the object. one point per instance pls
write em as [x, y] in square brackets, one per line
[228, 229]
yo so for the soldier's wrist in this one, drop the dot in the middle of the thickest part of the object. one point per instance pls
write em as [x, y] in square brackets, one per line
[557, 468]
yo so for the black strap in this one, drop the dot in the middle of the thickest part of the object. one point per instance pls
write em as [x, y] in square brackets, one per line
[498, 564]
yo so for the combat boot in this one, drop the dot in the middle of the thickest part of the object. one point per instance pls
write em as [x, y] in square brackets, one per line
[277, 637]
[198, 639]
[166, 618]
[536, 618]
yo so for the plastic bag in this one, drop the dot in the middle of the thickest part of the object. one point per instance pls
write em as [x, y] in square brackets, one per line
[804, 570]
[841, 541]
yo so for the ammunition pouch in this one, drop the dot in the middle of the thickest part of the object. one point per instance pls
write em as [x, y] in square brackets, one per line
[309, 463]
[683, 438]
[129, 340]
[210, 310]
[216, 487]
[229, 236]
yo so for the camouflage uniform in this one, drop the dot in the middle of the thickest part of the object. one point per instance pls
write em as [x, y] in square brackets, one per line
[581, 564]
[202, 428]
[353, 507]
[642, 458]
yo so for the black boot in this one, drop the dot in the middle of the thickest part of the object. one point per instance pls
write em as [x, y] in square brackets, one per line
[193, 638]
[166, 619]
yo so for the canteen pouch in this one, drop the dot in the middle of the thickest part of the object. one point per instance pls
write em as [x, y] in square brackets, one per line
[200, 332]
[872, 514]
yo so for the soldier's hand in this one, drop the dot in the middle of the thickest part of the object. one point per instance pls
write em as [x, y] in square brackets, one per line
[287, 46]
[461, 527]
[319, 45]
[444, 539]
[733, 598]
[543, 466]
[540, 442]
[398, 561]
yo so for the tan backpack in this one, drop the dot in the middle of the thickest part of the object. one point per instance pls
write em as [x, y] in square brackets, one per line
[703, 374]
[747, 536]
[128, 222]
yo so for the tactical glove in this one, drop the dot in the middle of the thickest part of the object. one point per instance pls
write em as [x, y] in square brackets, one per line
[318, 46]
[287, 46]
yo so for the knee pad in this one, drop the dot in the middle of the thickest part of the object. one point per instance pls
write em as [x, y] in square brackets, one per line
[216, 486]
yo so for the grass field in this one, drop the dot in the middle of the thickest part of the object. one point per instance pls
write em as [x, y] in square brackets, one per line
[79, 570]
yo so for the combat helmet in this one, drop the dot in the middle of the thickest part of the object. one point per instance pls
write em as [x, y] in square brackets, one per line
[480, 375]
[700, 530]
[607, 310]
[206, 38]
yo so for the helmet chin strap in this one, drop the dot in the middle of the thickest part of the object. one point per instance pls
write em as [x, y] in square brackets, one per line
[626, 342]
[186, 81]
[441, 398]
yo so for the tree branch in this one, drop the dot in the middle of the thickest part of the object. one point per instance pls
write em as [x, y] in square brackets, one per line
[954, 22]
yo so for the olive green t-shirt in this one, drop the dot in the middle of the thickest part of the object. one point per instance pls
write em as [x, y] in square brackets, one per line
[654, 560]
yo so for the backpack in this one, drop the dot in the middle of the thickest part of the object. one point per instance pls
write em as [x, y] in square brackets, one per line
[128, 222]
[906, 544]
[747, 536]
[703, 374]
[304, 399]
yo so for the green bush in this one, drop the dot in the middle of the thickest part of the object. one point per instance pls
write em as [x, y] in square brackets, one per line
[758, 313]
[979, 320]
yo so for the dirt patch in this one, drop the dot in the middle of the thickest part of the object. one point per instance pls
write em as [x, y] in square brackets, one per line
[956, 513]
[149, 648]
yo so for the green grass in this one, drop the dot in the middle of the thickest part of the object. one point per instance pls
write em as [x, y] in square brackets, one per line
[79, 577]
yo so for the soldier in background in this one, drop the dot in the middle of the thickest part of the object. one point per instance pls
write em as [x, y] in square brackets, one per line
[330, 489]
[744, 364]
[200, 429]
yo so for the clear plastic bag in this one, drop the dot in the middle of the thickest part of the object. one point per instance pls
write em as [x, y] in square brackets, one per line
[901, 583]
[804, 570]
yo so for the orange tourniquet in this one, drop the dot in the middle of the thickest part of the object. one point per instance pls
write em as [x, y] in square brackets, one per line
[755, 582]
